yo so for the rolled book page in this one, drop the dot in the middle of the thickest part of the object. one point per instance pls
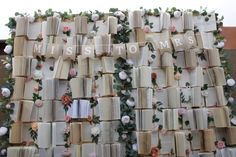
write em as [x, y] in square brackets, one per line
[209, 140]
[165, 20]
[140, 36]
[52, 26]
[76, 85]
[144, 76]
[87, 87]
[45, 112]
[214, 57]
[48, 92]
[81, 26]
[219, 76]
[29, 89]
[144, 98]
[173, 97]
[190, 59]
[166, 60]
[15, 116]
[112, 22]
[59, 113]
[88, 149]
[98, 43]
[75, 133]
[44, 135]
[85, 132]
[196, 77]
[144, 142]
[57, 132]
[22, 25]
[118, 50]
[20, 44]
[107, 82]
[181, 145]
[230, 136]
[170, 76]
[19, 66]
[137, 19]
[107, 64]
[188, 21]
[221, 100]
[27, 109]
[197, 140]
[84, 109]
[201, 118]
[144, 117]
[196, 97]
[178, 42]
[15, 135]
[18, 93]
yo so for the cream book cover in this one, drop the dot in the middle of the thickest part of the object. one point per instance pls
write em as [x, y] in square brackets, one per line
[81, 25]
[44, 135]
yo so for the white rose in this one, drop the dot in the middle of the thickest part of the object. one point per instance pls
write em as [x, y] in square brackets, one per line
[122, 16]
[124, 136]
[205, 93]
[130, 62]
[119, 27]
[231, 82]
[8, 66]
[3, 152]
[123, 75]
[31, 19]
[95, 17]
[6, 92]
[38, 75]
[220, 44]
[233, 120]
[177, 14]
[231, 99]
[134, 147]
[55, 14]
[3, 131]
[130, 102]
[92, 33]
[8, 106]
[125, 119]
[117, 13]
[95, 131]
[8, 49]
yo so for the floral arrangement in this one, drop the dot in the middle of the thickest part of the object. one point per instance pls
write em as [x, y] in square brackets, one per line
[123, 86]
[66, 30]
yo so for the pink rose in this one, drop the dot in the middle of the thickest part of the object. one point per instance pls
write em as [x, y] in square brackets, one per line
[67, 118]
[146, 29]
[182, 111]
[38, 103]
[73, 72]
[66, 29]
[220, 144]
[172, 29]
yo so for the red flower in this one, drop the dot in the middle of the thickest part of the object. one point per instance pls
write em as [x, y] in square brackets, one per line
[66, 100]
[155, 152]
[154, 76]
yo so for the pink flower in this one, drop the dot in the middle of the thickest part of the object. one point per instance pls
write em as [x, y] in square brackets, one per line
[182, 111]
[38, 103]
[220, 144]
[67, 130]
[92, 155]
[172, 29]
[73, 72]
[67, 118]
[146, 29]
[66, 29]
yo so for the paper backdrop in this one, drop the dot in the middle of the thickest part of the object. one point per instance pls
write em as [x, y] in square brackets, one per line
[123, 83]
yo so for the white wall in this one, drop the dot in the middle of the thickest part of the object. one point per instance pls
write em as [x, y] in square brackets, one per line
[9, 7]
